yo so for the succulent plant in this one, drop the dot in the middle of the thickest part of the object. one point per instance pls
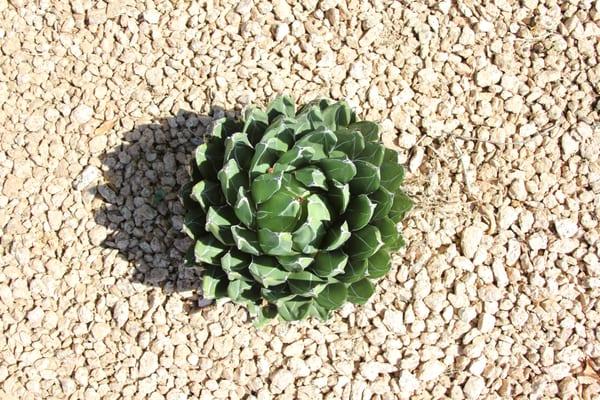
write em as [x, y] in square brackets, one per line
[294, 213]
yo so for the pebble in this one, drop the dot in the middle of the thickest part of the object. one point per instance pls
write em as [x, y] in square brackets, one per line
[430, 370]
[470, 240]
[98, 144]
[281, 379]
[34, 123]
[89, 175]
[281, 31]
[55, 219]
[151, 16]
[97, 235]
[488, 76]
[148, 364]
[566, 228]
[82, 114]
[474, 387]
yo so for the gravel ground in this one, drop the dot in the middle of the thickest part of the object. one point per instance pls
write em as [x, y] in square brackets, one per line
[494, 108]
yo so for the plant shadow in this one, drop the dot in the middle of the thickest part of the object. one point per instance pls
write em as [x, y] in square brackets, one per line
[141, 207]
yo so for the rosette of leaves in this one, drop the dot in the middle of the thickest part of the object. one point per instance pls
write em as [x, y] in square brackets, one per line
[294, 213]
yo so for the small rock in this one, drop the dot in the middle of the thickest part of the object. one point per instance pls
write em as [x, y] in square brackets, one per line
[470, 239]
[87, 177]
[564, 246]
[12, 186]
[293, 350]
[121, 313]
[394, 321]
[100, 330]
[154, 76]
[98, 144]
[371, 35]
[82, 114]
[486, 323]
[34, 123]
[514, 104]
[569, 145]
[488, 76]
[430, 370]
[282, 10]
[148, 364]
[489, 293]
[473, 387]
[151, 16]
[281, 31]
[527, 129]
[371, 370]
[97, 235]
[565, 228]
[517, 190]
[508, 215]
[408, 383]
[538, 241]
[281, 379]
[558, 371]
[55, 219]
[35, 317]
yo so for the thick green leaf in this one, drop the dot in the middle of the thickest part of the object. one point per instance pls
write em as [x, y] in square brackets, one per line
[244, 209]
[318, 311]
[235, 264]
[392, 173]
[295, 263]
[401, 205]
[225, 127]
[275, 243]
[306, 238]
[280, 213]
[207, 193]
[263, 314]
[305, 283]
[238, 147]
[243, 291]
[266, 271]
[359, 292]
[294, 158]
[359, 212]
[382, 199]
[266, 154]
[185, 195]
[389, 232]
[321, 141]
[399, 243]
[311, 177]
[293, 309]
[317, 209]
[245, 240]
[332, 296]
[341, 170]
[209, 158]
[277, 294]
[369, 130]
[214, 283]
[256, 121]
[349, 142]
[355, 270]
[336, 236]
[329, 263]
[208, 249]
[265, 186]
[337, 115]
[282, 105]
[379, 264]
[280, 133]
[367, 178]
[373, 153]
[219, 221]
[193, 223]
[338, 196]
[232, 178]
[364, 243]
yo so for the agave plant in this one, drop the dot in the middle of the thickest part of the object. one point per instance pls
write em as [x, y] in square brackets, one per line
[294, 213]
